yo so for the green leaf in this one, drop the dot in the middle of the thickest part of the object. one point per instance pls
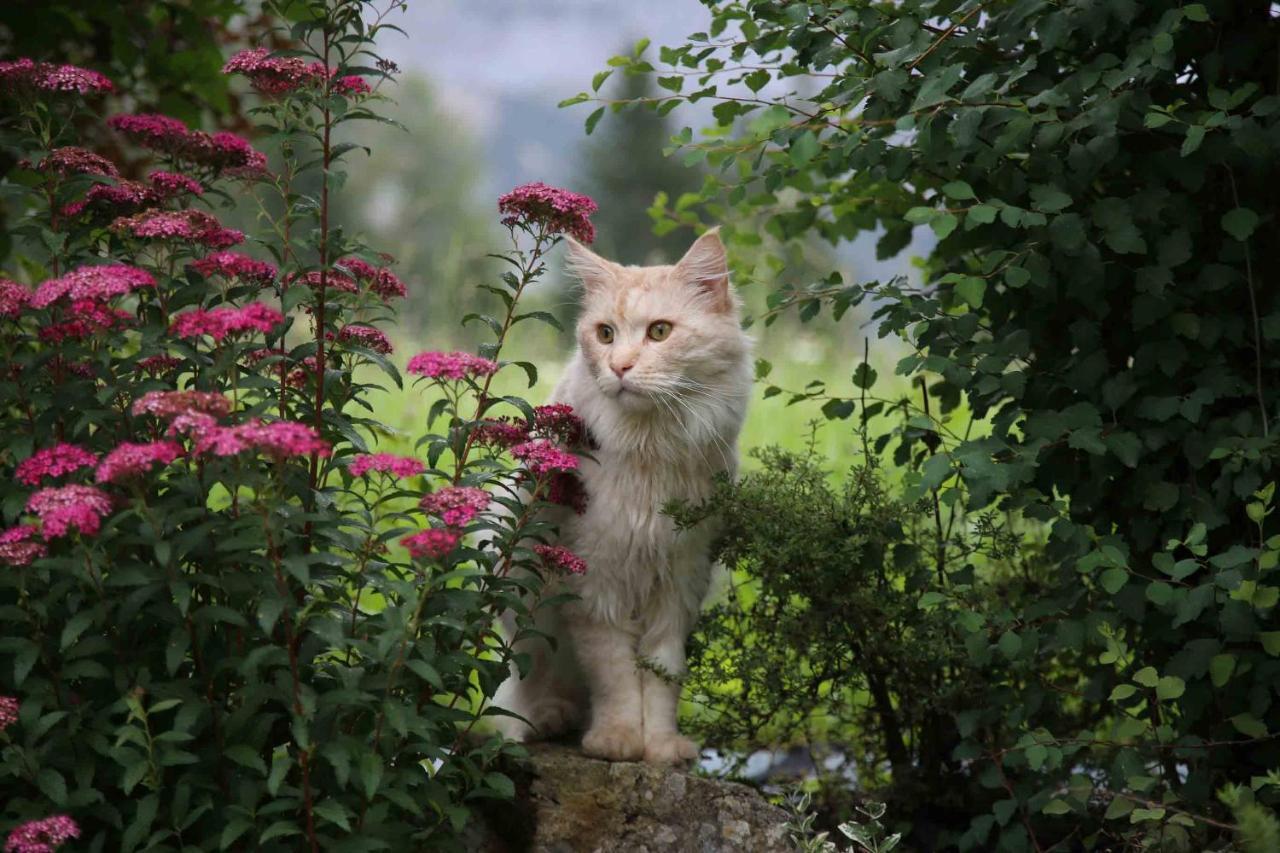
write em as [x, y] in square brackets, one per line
[1270, 642]
[944, 224]
[1195, 12]
[593, 120]
[1221, 668]
[1195, 135]
[1047, 198]
[1170, 687]
[804, 148]
[1147, 676]
[1010, 645]
[1249, 725]
[1240, 223]
[971, 289]
[1113, 580]
[1056, 806]
[598, 80]
[246, 756]
[1122, 692]
[958, 190]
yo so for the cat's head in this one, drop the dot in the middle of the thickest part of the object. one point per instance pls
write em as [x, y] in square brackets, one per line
[650, 333]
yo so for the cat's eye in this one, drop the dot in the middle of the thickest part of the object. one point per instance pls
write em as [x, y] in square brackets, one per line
[604, 332]
[659, 331]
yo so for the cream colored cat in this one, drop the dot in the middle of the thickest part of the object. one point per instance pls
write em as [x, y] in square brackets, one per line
[661, 376]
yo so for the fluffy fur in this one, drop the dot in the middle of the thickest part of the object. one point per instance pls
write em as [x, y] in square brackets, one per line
[665, 416]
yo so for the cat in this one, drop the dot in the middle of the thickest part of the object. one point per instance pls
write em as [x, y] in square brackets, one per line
[661, 376]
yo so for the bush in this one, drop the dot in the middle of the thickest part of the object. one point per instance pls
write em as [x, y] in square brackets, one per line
[227, 621]
[1096, 177]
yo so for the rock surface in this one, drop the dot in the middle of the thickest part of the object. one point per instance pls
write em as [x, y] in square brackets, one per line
[568, 803]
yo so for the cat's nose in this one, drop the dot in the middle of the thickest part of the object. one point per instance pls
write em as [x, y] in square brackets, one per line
[620, 369]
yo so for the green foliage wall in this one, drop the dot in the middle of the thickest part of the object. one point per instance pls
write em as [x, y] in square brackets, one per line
[1100, 177]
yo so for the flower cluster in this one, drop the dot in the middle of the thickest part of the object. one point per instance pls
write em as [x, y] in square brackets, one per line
[277, 438]
[100, 283]
[8, 712]
[451, 365]
[275, 75]
[126, 196]
[19, 545]
[129, 460]
[365, 336]
[86, 318]
[235, 265]
[221, 151]
[542, 457]
[456, 505]
[558, 422]
[71, 160]
[561, 559]
[193, 225]
[41, 836]
[434, 542]
[218, 323]
[380, 280]
[170, 404]
[500, 433]
[155, 365]
[60, 509]
[13, 298]
[332, 280]
[171, 184]
[24, 74]
[351, 85]
[554, 210]
[387, 463]
[53, 462]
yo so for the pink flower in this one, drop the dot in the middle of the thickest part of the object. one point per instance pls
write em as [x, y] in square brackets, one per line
[235, 265]
[561, 559]
[77, 161]
[194, 225]
[434, 542]
[456, 505]
[554, 210]
[451, 365]
[101, 283]
[351, 84]
[365, 336]
[388, 463]
[218, 323]
[169, 404]
[274, 75]
[380, 280]
[120, 197]
[566, 489]
[41, 836]
[51, 77]
[53, 462]
[13, 298]
[87, 318]
[18, 546]
[8, 712]
[154, 365]
[542, 457]
[171, 184]
[500, 433]
[224, 151]
[333, 280]
[278, 438]
[128, 460]
[558, 422]
[60, 509]
[157, 132]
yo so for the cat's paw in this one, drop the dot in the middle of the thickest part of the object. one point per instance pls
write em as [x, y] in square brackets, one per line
[553, 716]
[669, 748]
[614, 743]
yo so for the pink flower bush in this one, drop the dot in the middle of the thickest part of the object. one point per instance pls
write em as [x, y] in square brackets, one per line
[130, 459]
[71, 160]
[156, 132]
[60, 509]
[365, 336]
[561, 559]
[170, 404]
[24, 74]
[387, 463]
[13, 298]
[235, 265]
[542, 457]
[171, 184]
[19, 545]
[53, 462]
[456, 505]
[451, 365]
[101, 282]
[193, 225]
[351, 84]
[8, 712]
[434, 542]
[42, 836]
[222, 151]
[218, 323]
[380, 280]
[87, 318]
[274, 75]
[277, 438]
[554, 210]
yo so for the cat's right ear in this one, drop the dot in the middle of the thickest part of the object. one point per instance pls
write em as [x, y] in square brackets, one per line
[593, 271]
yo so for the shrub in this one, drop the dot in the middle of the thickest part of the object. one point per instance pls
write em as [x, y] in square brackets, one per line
[1096, 178]
[228, 621]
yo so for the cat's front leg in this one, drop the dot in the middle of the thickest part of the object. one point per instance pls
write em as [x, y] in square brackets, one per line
[606, 654]
[663, 666]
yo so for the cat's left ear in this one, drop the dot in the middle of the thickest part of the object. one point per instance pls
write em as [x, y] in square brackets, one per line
[593, 271]
[706, 266]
